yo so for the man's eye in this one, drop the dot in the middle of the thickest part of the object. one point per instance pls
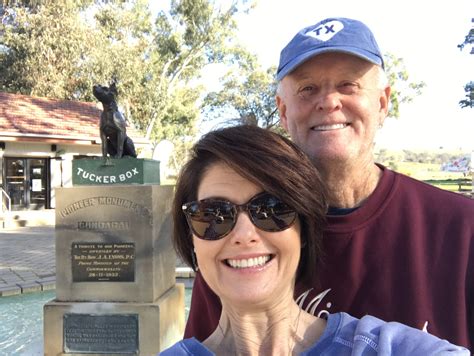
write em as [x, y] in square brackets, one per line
[348, 87]
[306, 92]
[308, 88]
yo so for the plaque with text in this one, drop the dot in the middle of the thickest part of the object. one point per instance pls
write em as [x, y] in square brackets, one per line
[97, 334]
[103, 262]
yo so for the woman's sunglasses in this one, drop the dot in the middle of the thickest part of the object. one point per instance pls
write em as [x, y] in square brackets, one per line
[213, 219]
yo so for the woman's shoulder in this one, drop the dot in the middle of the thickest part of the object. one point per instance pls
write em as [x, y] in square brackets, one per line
[369, 335]
[187, 347]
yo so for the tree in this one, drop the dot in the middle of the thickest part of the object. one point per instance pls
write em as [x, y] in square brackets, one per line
[248, 91]
[44, 46]
[61, 48]
[468, 102]
[403, 90]
[469, 88]
[194, 34]
[469, 39]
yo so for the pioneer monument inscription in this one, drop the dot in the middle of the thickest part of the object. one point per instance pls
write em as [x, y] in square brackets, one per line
[103, 262]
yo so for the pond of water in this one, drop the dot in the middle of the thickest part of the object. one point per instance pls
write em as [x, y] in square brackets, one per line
[21, 322]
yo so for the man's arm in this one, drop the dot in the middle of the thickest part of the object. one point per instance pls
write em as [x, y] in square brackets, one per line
[205, 311]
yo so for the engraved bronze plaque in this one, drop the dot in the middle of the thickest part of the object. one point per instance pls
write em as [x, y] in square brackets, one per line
[103, 262]
[97, 334]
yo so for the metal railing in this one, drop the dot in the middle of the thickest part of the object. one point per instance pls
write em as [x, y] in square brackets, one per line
[5, 197]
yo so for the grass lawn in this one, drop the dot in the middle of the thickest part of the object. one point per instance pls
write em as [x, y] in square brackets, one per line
[431, 173]
[452, 185]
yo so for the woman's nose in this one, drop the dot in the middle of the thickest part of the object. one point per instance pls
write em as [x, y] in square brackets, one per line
[244, 231]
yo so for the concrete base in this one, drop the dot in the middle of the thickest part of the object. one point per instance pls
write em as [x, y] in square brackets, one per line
[160, 325]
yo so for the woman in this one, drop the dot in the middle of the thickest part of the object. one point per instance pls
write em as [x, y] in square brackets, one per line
[248, 212]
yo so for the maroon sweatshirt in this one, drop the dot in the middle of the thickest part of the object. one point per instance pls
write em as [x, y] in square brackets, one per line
[406, 255]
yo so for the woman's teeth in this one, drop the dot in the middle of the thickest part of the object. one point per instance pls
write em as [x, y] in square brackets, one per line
[250, 262]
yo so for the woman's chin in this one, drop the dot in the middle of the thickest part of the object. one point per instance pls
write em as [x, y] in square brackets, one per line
[247, 297]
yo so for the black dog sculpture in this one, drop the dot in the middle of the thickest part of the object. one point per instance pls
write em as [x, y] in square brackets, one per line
[113, 132]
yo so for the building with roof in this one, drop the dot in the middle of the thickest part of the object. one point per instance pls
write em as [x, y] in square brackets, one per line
[39, 138]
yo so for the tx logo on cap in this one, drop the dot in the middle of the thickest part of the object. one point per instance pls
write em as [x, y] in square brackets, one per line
[326, 31]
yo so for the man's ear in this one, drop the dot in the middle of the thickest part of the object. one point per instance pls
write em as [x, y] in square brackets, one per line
[385, 103]
[282, 111]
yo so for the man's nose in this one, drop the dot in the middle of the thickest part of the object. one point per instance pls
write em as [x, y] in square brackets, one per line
[244, 231]
[328, 100]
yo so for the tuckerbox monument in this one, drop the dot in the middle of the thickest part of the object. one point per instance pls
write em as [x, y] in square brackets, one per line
[116, 292]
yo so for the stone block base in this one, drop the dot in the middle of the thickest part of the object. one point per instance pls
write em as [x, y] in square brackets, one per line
[114, 329]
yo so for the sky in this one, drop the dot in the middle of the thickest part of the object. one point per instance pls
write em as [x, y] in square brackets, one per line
[424, 33]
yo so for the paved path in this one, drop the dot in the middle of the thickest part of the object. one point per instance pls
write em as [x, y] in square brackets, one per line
[27, 260]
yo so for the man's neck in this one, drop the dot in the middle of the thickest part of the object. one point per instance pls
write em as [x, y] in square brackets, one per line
[350, 185]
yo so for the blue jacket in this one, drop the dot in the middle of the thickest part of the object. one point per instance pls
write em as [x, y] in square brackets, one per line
[346, 335]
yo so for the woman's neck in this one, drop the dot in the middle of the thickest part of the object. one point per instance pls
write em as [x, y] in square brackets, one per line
[281, 330]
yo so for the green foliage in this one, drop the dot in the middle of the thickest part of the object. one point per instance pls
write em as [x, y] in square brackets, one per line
[248, 91]
[469, 39]
[468, 102]
[403, 90]
[39, 61]
[34, 5]
[61, 48]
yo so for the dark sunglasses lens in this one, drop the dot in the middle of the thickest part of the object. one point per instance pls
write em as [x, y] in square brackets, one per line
[211, 220]
[271, 214]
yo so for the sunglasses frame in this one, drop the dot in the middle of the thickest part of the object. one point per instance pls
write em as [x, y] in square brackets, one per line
[236, 209]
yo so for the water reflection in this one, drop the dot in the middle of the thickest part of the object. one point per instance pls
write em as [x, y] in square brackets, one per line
[21, 321]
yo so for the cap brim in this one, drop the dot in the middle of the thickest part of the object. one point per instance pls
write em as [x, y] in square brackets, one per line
[296, 62]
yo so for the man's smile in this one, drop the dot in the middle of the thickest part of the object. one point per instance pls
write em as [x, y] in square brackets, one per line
[329, 127]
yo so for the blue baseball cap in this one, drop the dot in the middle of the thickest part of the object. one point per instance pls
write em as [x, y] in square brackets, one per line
[336, 34]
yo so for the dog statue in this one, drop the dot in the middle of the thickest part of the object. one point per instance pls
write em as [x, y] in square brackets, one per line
[113, 132]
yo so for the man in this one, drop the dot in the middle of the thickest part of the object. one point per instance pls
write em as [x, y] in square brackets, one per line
[394, 247]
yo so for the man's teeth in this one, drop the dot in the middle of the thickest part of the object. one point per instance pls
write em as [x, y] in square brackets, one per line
[329, 127]
[251, 262]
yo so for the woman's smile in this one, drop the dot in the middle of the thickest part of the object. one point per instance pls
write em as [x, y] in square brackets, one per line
[253, 262]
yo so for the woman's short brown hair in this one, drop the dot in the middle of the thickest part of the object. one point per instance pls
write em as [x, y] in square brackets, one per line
[270, 161]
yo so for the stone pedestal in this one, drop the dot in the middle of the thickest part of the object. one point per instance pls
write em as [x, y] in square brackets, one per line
[116, 291]
[114, 328]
